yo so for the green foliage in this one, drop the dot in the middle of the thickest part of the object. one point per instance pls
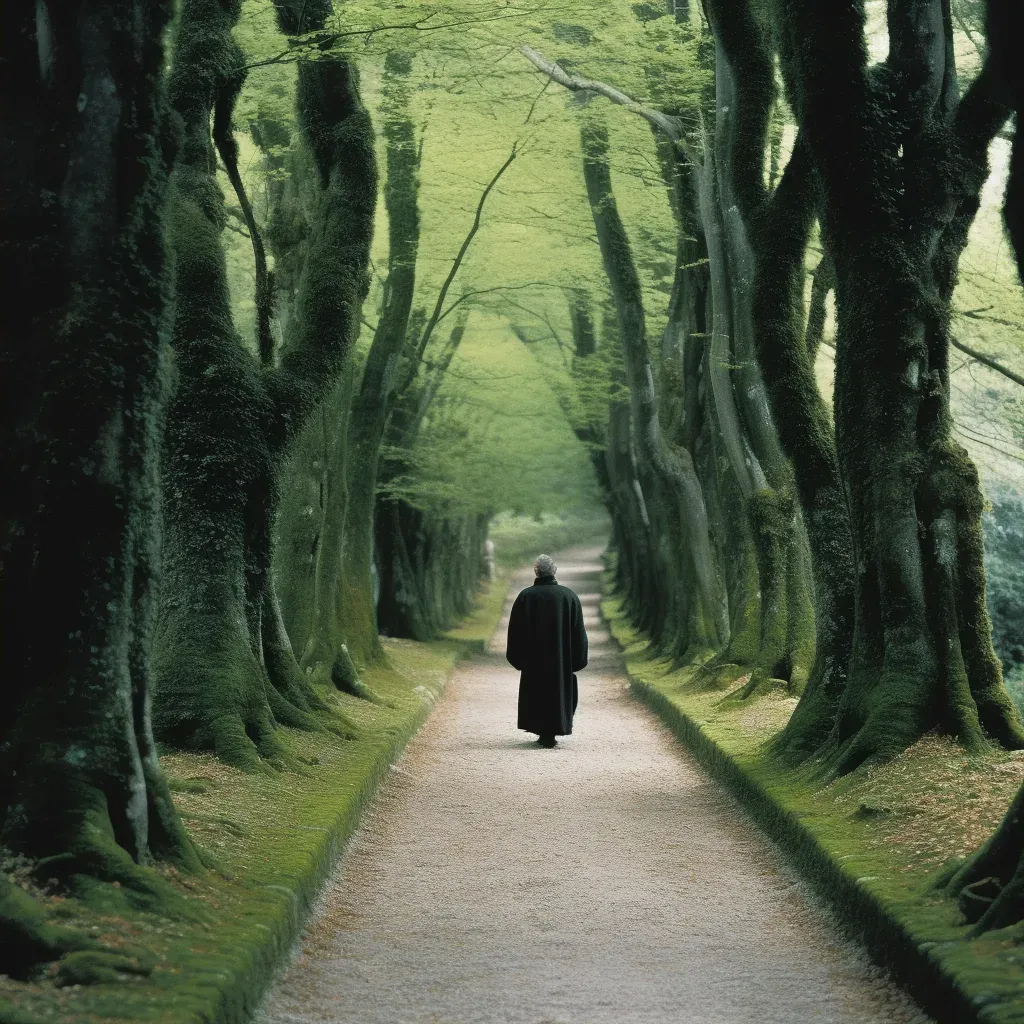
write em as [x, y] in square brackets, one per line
[476, 451]
[497, 438]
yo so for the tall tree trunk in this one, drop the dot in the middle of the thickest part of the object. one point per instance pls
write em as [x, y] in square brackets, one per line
[990, 885]
[777, 229]
[702, 613]
[83, 123]
[785, 640]
[901, 165]
[232, 421]
[371, 406]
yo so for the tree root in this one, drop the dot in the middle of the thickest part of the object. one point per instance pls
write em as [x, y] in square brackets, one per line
[718, 674]
[345, 677]
[759, 683]
[251, 747]
[989, 887]
[29, 940]
[27, 937]
[95, 966]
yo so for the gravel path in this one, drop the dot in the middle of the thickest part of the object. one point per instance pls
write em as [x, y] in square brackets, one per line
[607, 881]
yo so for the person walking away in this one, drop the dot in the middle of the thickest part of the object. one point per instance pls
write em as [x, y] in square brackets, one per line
[547, 642]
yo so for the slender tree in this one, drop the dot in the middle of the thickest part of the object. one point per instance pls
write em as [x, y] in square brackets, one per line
[415, 548]
[371, 407]
[670, 468]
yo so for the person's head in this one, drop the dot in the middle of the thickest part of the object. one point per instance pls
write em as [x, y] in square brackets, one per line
[545, 566]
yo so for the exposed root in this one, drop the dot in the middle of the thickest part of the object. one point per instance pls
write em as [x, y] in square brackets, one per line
[27, 937]
[989, 887]
[345, 677]
[95, 966]
[717, 674]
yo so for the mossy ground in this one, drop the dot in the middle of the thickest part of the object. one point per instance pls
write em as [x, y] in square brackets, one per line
[274, 835]
[873, 842]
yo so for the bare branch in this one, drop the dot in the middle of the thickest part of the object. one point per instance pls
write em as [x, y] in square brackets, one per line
[306, 47]
[668, 124]
[473, 292]
[533, 105]
[979, 314]
[227, 147]
[435, 316]
[988, 361]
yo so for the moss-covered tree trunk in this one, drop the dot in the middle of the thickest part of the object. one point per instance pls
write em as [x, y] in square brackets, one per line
[701, 611]
[901, 163]
[370, 409]
[990, 886]
[776, 227]
[226, 672]
[83, 120]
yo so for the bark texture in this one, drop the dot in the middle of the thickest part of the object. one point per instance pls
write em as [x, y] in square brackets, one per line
[990, 886]
[86, 147]
[901, 162]
[684, 552]
[777, 225]
[227, 674]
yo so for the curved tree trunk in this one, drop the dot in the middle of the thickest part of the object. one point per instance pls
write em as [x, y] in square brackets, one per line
[895, 220]
[785, 640]
[83, 120]
[990, 885]
[231, 422]
[778, 228]
[702, 613]
[370, 408]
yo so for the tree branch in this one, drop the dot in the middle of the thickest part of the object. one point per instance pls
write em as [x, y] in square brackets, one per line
[668, 124]
[224, 138]
[473, 292]
[988, 361]
[324, 41]
[435, 316]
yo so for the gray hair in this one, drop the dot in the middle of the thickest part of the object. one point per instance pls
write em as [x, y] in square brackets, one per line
[545, 566]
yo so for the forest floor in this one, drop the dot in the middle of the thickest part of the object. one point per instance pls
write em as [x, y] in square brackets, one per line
[606, 881]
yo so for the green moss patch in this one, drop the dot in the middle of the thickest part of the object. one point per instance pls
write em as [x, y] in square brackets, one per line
[274, 836]
[872, 843]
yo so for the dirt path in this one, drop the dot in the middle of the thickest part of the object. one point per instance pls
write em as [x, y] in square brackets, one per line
[607, 881]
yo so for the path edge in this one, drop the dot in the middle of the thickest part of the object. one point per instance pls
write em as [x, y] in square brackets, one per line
[284, 930]
[855, 911]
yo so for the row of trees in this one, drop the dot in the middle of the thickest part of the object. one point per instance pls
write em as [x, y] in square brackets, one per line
[836, 553]
[206, 522]
[191, 513]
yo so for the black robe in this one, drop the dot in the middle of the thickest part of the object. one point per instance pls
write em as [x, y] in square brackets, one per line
[547, 643]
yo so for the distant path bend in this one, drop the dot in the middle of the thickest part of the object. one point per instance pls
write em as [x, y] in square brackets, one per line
[607, 881]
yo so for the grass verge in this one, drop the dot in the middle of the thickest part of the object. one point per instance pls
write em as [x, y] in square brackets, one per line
[872, 843]
[275, 836]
